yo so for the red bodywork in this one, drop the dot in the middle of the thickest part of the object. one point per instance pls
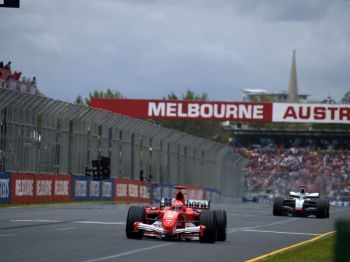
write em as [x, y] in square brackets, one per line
[175, 220]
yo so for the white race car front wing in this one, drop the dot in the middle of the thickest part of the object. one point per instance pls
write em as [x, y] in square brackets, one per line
[157, 228]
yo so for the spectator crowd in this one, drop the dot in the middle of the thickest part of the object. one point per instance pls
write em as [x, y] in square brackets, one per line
[275, 169]
[15, 81]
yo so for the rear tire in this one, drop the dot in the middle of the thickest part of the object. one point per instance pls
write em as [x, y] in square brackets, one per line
[221, 219]
[277, 206]
[321, 208]
[207, 218]
[327, 208]
[135, 214]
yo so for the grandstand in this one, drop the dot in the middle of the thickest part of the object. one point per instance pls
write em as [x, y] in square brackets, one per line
[280, 160]
[8, 81]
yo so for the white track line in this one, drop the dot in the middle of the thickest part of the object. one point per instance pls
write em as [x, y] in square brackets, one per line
[100, 223]
[233, 230]
[336, 211]
[7, 235]
[36, 220]
[58, 221]
[65, 228]
[280, 232]
[131, 252]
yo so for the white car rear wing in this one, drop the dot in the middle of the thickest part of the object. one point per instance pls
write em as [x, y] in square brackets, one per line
[312, 195]
[198, 204]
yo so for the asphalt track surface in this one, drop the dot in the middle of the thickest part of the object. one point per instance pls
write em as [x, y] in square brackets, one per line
[96, 232]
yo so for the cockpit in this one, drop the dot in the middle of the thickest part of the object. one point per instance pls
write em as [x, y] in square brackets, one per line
[178, 206]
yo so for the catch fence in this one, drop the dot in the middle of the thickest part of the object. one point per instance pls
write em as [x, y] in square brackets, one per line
[45, 136]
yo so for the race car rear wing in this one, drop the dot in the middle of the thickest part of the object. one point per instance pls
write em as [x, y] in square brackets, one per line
[192, 203]
[198, 204]
[308, 195]
[312, 195]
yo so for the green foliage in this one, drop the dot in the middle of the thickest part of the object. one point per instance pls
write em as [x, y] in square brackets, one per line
[339, 127]
[207, 129]
[79, 100]
[97, 94]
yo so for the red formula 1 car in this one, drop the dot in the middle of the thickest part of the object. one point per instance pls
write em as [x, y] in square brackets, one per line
[177, 219]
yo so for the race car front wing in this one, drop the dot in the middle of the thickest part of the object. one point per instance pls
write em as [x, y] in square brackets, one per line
[159, 230]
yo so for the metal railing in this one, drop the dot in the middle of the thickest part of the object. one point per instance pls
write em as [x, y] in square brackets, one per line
[42, 135]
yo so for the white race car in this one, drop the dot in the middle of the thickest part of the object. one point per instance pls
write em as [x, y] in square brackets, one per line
[301, 204]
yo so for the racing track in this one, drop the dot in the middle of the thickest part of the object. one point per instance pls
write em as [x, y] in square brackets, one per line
[96, 232]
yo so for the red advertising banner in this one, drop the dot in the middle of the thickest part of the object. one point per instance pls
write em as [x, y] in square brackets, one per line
[62, 188]
[195, 110]
[145, 190]
[30, 188]
[131, 190]
[121, 189]
[311, 113]
[223, 111]
[22, 188]
[43, 188]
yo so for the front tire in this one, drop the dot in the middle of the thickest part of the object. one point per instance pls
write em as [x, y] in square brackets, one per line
[135, 214]
[207, 218]
[221, 219]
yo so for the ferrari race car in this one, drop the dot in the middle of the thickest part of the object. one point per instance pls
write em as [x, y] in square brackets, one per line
[177, 219]
[301, 204]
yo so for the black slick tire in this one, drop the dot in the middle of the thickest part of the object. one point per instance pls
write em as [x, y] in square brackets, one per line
[321, 208]
[207, 218]
[327, 208]
[135, 214]
[277, 206]
[221, 220]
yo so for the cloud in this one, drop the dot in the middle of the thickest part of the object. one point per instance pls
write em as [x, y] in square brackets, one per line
[146, 49]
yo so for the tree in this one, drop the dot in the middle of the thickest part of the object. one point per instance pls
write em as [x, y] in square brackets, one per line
[212, 130]
[79, 100]
[97, 94]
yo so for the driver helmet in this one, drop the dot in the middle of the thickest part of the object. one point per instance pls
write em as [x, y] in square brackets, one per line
[178, 206]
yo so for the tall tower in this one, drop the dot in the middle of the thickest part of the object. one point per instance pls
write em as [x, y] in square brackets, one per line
[293, 96]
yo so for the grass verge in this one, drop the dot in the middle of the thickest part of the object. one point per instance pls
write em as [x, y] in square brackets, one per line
[318, 251]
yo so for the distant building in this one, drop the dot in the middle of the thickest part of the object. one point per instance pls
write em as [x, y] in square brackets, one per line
[293, 83]
[346, 98]
[291, 96]
[261, 95]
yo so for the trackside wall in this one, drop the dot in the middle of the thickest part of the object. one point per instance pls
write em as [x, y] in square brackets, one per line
[16, 188]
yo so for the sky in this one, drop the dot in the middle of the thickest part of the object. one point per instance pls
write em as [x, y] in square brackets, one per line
[147, 49]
